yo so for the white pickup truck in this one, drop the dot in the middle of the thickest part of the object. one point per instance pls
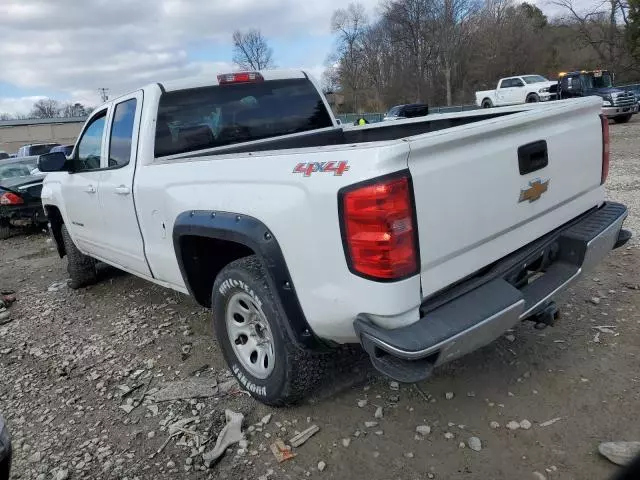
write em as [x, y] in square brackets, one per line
[421, 239]
[516, 90]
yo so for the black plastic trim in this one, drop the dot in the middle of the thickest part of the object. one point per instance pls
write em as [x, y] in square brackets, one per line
[345, 246]
[532, 157]
[255, 235]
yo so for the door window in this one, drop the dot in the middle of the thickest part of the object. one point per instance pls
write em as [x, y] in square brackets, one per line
[90, 145]
[506, 83]
[122, 133]
[516, 82]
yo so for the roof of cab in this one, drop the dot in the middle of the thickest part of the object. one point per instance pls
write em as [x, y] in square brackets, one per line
[185, 84]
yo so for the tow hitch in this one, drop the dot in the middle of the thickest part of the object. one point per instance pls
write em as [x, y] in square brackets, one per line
[546, 317]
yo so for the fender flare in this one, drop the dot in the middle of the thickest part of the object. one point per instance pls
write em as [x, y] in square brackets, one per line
[255, 235]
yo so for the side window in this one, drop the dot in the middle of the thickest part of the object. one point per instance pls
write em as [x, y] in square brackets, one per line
[88, 156]
[506, 83]
[516, 82]
[122, 133]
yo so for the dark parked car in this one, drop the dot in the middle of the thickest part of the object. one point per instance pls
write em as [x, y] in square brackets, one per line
[4, 155]
[20, 203]
[66, 149]
[410, 110]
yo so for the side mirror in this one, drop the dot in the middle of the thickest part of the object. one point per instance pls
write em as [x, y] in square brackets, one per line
[52, 162]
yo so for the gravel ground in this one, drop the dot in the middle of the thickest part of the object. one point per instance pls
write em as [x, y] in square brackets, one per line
[81, 374]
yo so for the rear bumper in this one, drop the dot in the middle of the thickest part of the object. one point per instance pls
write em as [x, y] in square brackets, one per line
[484, 308]
[31, 212]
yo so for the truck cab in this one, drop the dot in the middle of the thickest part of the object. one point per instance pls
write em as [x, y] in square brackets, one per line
[616, 103]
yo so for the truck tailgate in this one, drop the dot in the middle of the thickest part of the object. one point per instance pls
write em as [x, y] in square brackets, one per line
[475, 203]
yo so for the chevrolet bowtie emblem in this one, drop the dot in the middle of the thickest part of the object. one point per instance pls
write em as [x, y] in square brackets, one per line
[536, 188]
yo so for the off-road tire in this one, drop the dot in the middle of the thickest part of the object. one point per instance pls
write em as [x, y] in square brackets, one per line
[533, 98]
[296, 371]
[486, 103]
[81, 268]
[622, 118]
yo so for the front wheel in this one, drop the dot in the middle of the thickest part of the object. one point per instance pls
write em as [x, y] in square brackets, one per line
[622, 118]
[250, 328]
[533, 98]
[486, 103]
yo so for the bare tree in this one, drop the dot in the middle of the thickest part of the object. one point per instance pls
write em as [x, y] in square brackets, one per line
[68, 110]
[45, 108]
[251, 50]
[350, 24]
[597, 27]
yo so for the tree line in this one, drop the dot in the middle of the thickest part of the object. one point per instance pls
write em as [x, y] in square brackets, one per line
[441, 51]
[50, 108]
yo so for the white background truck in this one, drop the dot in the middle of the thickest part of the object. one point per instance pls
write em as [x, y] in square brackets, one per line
[516, 90]
[420, 240]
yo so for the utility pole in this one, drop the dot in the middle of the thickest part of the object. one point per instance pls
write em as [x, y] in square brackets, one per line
[104, 94]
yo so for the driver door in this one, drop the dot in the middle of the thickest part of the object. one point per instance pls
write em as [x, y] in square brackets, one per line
[80, 187]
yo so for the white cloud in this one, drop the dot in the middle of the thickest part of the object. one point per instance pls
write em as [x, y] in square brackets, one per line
[18, 105]
[78, 47]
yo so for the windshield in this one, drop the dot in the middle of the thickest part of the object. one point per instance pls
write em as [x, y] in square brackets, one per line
[534, 79]
[20, 168]
[596, 80]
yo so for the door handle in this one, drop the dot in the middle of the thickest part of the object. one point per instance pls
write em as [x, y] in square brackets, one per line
[90, 189]
[122, 190]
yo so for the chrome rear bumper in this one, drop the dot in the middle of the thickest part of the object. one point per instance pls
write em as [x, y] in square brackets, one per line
[480, 315]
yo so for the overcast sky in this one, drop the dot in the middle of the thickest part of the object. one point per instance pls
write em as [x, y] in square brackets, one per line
[67, 49]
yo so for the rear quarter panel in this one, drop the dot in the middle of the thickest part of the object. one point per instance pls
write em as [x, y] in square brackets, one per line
[301, 212]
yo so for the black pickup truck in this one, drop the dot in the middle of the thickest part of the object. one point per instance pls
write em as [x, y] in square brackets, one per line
[617, 104]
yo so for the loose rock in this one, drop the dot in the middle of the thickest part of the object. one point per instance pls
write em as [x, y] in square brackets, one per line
[513, 425]
[538, 476]
[346, 442]
[378, 413]
[595, 300]
[322, 466]
[394, 386]
[423, 430]
[525, 424]
[370, 424]
[475, 444]
[620, 453]
[494, 425]
[448, 395]
[362, 403]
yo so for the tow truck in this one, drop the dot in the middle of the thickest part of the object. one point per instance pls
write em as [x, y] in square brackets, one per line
[617, 104]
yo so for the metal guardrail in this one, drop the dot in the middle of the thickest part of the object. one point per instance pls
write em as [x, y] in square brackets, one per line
[348, 118]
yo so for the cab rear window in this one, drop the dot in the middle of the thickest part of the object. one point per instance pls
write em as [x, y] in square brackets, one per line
[217, 116]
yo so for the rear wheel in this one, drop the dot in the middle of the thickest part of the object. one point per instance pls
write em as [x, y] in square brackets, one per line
[622, 118]
[249, 325]
[486, 103]
[81, 268]
[533, 98]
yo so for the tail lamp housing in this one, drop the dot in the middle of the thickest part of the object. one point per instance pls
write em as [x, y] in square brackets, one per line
[605, 148]
[10, 198]
[379, 229]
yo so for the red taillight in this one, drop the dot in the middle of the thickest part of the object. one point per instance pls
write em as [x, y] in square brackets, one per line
[379, 231]
[240, 77]
[605, 148]
[8, 198]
